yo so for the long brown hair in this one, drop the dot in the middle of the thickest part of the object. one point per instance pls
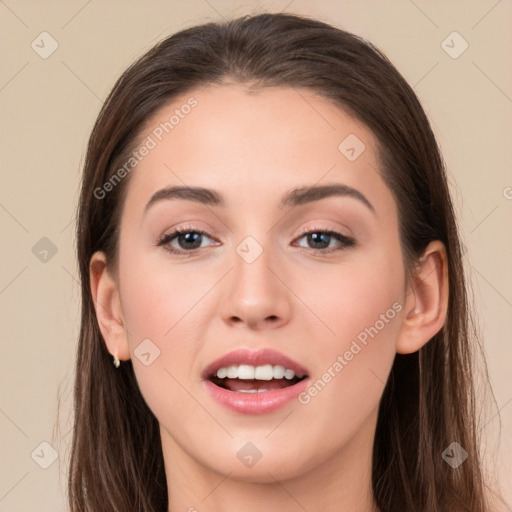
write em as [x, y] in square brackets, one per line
[429, 400]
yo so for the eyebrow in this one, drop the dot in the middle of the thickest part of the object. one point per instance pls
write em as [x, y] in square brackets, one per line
[295, 197]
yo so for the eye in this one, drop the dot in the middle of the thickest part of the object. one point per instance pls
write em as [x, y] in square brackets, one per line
[188, 240]
[320, 240]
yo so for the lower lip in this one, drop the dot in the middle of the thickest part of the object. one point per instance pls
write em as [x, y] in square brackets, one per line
[255, 403]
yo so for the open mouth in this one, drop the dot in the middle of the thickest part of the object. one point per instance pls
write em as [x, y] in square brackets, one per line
[255, 379]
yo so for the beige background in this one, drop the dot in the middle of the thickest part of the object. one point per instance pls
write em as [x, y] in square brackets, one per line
[48, 107]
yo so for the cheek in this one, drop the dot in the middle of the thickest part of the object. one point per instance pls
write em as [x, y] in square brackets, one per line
[167, 308]
[351, 297]
[361, 304]
[162, 308]
[158, 298]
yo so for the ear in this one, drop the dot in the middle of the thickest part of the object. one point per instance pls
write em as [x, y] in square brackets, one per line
[107, 304]
[426, 302]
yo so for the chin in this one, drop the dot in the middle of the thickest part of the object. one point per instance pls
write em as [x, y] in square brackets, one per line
[264, 466]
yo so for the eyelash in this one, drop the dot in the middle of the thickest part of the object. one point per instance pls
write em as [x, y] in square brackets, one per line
[345, 241]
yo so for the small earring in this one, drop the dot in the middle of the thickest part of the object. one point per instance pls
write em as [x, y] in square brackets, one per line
[116, 362]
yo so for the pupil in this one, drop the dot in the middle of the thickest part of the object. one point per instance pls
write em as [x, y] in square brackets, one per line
[314, 237]
[189, 238]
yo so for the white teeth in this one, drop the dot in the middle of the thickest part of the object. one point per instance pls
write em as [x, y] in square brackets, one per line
[289, 374]
[248, 372]
[232, 372]
[252, 390]
[222, 373]
[264, 372]
[279, 371]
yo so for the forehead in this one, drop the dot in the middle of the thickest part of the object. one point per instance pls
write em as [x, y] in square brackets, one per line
[224, 137]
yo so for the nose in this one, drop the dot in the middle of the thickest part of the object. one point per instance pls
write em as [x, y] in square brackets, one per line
[256, 295]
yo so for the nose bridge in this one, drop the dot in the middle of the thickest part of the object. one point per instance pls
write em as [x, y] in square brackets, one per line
[256, 296]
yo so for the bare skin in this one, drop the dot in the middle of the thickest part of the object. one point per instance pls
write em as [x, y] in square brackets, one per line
[310, 306]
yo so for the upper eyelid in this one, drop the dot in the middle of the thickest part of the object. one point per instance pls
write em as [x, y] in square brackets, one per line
[187, 229]
[323, 229]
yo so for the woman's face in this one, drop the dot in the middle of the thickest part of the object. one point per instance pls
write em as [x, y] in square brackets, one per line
[255, 281]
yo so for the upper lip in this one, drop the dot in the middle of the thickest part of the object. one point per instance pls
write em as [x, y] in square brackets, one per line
[254, 358]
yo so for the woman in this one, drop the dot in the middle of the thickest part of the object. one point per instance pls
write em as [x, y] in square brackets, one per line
[268, 250]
